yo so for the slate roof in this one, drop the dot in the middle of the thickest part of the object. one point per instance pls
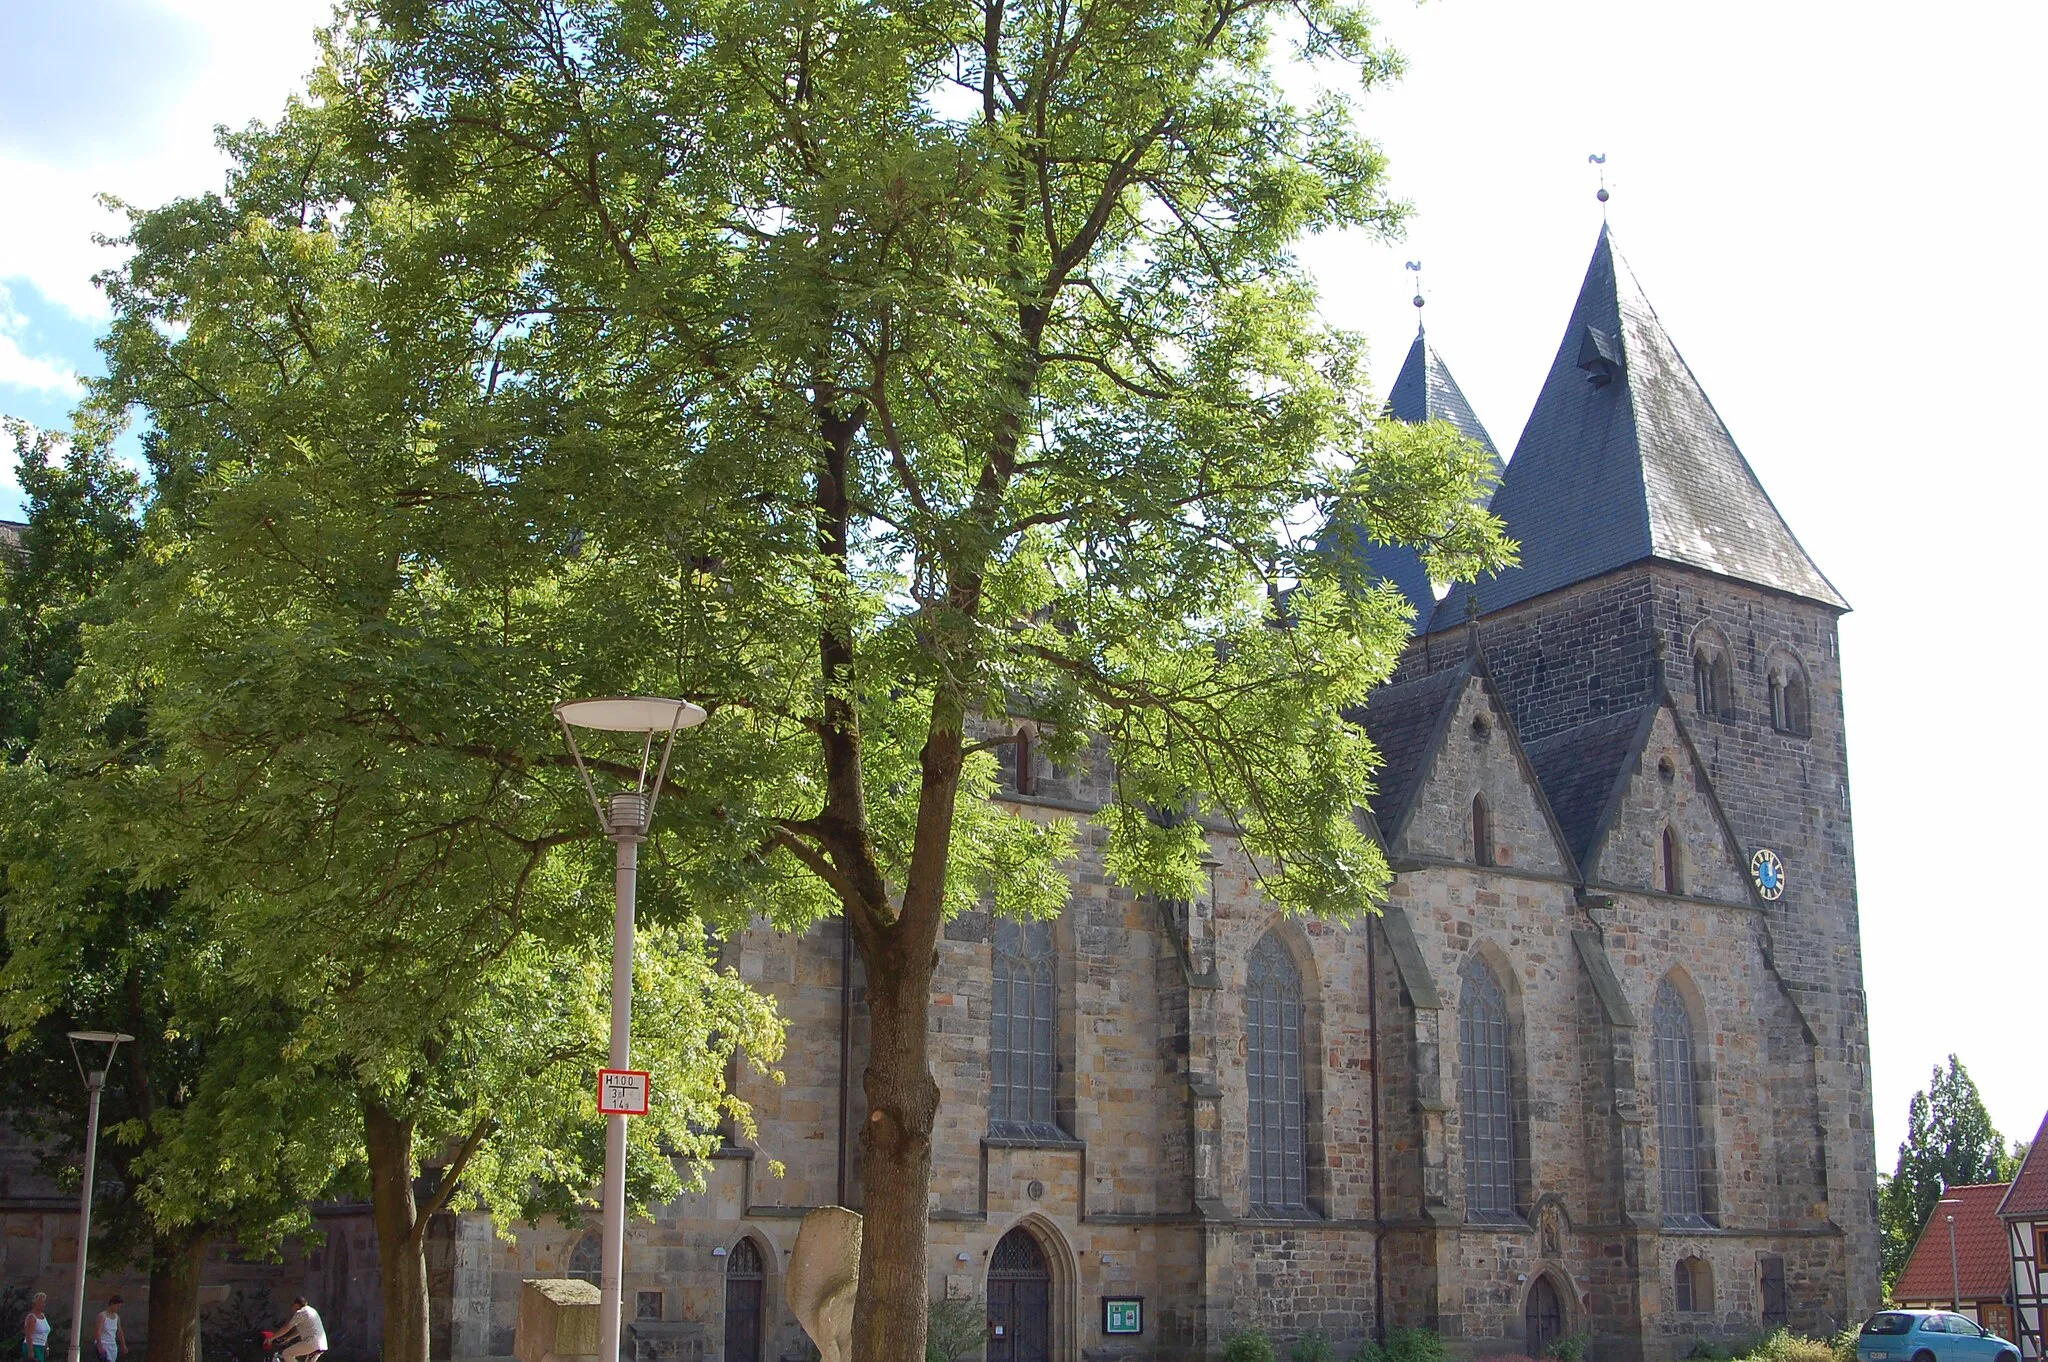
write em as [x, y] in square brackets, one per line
[1402, 722]
[1625, 459]
[1424, 391]
[2029, 1194]
[1983, 1263]
[1579, 769]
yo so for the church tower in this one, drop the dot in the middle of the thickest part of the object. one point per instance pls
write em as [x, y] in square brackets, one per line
[1657, 574]
[1424, 391]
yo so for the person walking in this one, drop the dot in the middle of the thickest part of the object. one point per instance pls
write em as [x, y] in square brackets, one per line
[107, 1338]
[303, 1337]
[35, 1330]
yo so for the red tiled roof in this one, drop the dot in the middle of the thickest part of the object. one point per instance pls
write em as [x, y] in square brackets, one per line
[1983, 1265]
[2029, 1194]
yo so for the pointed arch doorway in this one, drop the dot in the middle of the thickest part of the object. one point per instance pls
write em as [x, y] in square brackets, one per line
[1542, 1317]
[1019, 1301]
[744, 1280]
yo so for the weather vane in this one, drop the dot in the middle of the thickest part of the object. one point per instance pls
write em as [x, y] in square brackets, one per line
[1416, 267]
[1599, 158]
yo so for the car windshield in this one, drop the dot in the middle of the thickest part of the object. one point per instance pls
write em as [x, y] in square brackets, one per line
[1889, 1324]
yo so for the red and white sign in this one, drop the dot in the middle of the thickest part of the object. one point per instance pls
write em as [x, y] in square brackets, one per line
[622, 1092]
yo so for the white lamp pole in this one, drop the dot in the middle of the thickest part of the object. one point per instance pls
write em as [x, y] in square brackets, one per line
[95, 1083]
[625, 819]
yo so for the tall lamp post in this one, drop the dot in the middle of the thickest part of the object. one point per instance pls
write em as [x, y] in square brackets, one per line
[625, 818]
[95, 1083]
[1955, 1275]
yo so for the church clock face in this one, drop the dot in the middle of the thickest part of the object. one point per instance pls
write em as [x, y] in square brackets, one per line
[1769, 873]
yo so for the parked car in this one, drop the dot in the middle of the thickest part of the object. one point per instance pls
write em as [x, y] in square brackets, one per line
[1929, 1336]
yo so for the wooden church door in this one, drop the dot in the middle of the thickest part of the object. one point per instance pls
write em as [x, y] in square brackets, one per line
[1019, 1301]
[743, 1282]
[1543, 1317]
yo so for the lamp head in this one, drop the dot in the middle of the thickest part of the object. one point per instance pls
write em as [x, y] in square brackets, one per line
[627, 815]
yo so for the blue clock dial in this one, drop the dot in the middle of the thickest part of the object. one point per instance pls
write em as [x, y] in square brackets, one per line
[1768, 872]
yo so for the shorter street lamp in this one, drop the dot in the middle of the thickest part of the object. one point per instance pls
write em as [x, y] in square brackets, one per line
[95, 1083]
[624, 818]
[1955, 1275]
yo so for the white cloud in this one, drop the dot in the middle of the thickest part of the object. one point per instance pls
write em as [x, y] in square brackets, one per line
[22, 368]
[257, 54]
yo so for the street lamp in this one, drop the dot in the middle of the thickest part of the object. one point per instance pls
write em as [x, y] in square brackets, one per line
[1955, 1276]
[95, 1082]
[625, 819]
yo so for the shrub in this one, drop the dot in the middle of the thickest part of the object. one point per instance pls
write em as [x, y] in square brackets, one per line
[955, 1329]
[1250, 1345]
[1785, 1346]
[1845, 1346]
[1406, 1345]
[1707, 1351]
[1310, 1347]
[1568, 1348]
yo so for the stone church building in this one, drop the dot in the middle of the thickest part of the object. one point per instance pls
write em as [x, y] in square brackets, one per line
[1599, 1070]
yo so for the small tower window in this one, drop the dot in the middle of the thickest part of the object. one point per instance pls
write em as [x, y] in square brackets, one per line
[1713, 689]
[1790, 710]
[1482, 831]
[1667, 863]
[1027, 771]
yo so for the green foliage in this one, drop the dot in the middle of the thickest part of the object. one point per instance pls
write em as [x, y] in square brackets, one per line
[1403, 1345]
[955, 1329]
[1783, 1345]
[1566, 1348]
[1706, 1350]
[1310, 1347]
[975, 374]
[1248, 1345]
[1950, 1142]
[1844, 1345]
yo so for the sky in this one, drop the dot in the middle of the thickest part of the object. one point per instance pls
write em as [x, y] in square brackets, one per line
[1835, 209]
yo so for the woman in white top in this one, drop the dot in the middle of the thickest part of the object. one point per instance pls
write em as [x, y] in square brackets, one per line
[35, 1331]
[107, 1339]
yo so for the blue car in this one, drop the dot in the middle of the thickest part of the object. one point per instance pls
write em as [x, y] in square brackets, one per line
[1929, 1336]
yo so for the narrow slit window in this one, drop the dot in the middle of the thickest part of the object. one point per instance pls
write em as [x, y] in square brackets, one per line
[1482, 831]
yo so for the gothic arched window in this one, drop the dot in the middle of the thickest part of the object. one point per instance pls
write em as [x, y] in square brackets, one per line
[1679, 1139]
[1023, 1031]
[1482, 831]
[1486, 1096]
[1276, 1117]
[1667, 868]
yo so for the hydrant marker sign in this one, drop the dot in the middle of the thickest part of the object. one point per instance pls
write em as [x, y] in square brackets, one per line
[622, 1092]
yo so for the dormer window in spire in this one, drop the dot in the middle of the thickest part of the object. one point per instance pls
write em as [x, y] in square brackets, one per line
[1599, 356]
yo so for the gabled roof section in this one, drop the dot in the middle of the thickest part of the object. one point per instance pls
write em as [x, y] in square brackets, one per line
[1584, 770]
[1405, 723]
[2029, 1194]
[1409, 723]
[1424, 391]
[1625, 459]
[1983, 1264]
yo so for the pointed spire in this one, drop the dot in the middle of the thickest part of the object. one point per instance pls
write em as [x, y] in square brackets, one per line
[1424, 391]
[1625, 459]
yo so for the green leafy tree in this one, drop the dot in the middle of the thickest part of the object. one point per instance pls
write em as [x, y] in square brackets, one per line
[869, 376]
[1950, 1142]
[86, 948]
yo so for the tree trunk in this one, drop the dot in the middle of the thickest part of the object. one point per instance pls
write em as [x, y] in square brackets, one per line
[896, 1151]
[175, 1260]
[401, 1249]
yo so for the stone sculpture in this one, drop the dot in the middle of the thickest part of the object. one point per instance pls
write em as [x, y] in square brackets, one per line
[824, 1269]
